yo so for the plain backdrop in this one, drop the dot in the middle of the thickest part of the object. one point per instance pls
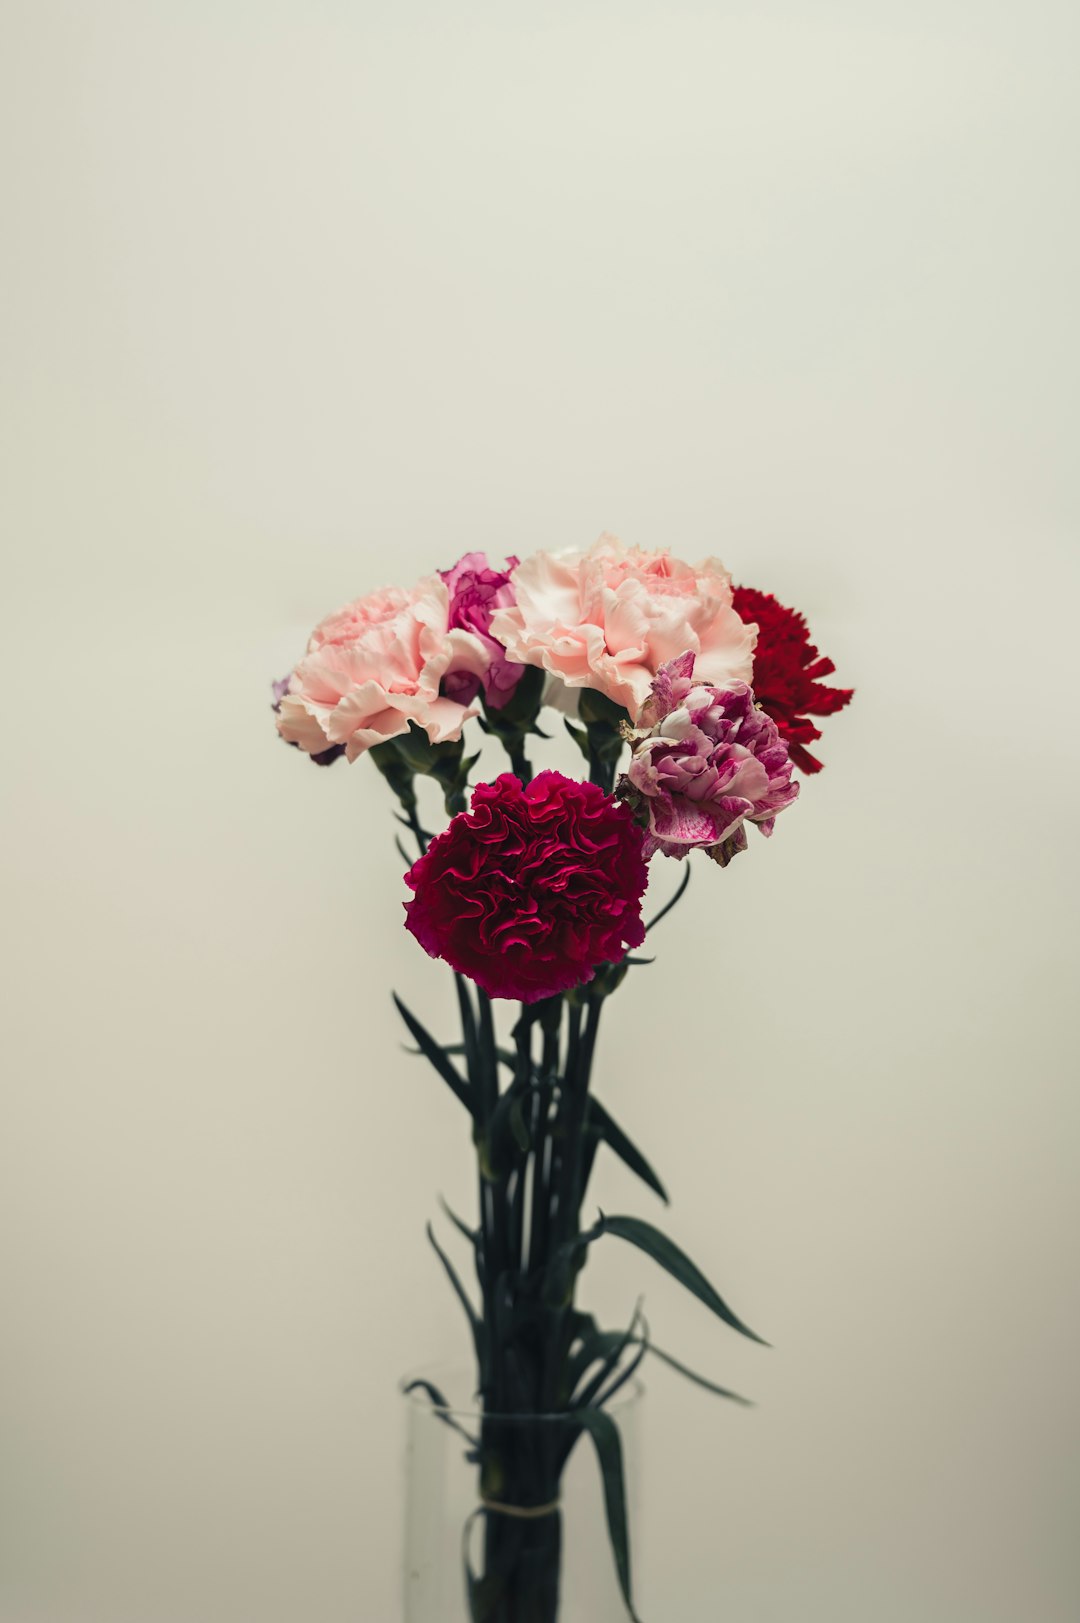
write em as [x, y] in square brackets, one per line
[304, 297]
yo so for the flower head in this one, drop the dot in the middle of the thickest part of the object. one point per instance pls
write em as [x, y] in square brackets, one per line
[476, 591]
[326, 757]
[609, 618]
[533, 888]
[709, 763]
[377, 665]
[788, 672]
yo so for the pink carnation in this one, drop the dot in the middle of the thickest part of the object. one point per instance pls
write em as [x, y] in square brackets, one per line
[476, 591]
[710, 762]
[611, 617]
[378, 664]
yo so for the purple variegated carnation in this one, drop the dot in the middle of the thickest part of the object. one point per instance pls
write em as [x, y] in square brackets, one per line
[706, 761]
[476, 591]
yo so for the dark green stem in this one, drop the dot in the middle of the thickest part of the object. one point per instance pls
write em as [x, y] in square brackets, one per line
[601, 771]
[418, 833]
[492, 1214]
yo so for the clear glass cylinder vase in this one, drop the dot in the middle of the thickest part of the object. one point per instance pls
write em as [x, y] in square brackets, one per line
[526, 1538]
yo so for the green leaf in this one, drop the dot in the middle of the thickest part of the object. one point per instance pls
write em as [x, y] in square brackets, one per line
[397, 772]
[463, 1297]
[503, 1055]
[432, 1051]
[622, 1376]
[653, 922]
[664, 1251]
[600, 1122]
[514, 720]
[698, 1380]
[507, 1137]
[412, 753]
[596, 1344]
[411, 823]
[579, 735]
[442, 1410]
[608, 1444]
[472, 1235]
[596, 709]
[608, 1350]
[605, 729]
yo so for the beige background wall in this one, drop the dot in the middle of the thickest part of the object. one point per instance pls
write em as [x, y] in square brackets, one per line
[301, 298]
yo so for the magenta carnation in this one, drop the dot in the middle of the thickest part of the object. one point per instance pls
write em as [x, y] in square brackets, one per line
[533, 888]
[710, 762]
[476, 591]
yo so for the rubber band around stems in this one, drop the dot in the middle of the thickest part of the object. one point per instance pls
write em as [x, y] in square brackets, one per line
[523, 1513]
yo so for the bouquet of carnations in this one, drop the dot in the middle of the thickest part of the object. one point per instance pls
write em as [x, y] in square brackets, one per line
[691, 702]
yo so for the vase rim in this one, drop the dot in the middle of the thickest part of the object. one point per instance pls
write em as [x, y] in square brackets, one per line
[631, 1394]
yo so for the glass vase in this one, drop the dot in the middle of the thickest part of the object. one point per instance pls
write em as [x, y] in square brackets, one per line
[523, 1540]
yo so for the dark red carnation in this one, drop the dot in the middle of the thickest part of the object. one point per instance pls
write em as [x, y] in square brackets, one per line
[533, 888]
[787, 673]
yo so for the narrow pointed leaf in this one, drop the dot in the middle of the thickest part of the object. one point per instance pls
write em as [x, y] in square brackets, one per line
[472, 1235]
[432, 1051]
[664, 1251]
[623, 1375]
[608, 1445]
[414, 827]
[442, 1410]
[599, 1121]
[461, 1293]
[579, 735]
[587, 1333]
[698, 1380]
[503, 1055]
[608, 1350]
[678, 896]
[602, 1348]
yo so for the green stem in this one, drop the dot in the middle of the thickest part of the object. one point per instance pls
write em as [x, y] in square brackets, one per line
[601, 772]
[418, 833]
[492, 1217]
[576, 1120]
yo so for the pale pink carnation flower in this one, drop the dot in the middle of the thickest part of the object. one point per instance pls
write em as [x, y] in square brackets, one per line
[710, 762]
[609, 619]
[377, 665]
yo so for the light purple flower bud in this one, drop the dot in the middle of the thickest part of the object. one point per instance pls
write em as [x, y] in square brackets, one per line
[709, 761]
[476, 591]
